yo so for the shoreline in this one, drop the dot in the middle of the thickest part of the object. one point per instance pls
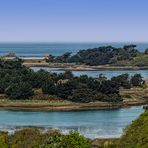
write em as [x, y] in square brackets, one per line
[69, 107]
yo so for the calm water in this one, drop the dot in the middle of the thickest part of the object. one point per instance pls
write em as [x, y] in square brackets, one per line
[107, 73]
[41, 49]
[93, 124]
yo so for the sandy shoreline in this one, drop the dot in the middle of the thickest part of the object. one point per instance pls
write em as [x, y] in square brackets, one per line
[69, 107]
[84, 67]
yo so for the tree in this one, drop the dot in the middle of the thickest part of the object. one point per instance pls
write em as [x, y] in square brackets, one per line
[137, 80]
[109, 87]
[82, 94]
[48, 87]
[38, 78]
[65, 88]
[122, 80]
[22, 90]
[63, 58]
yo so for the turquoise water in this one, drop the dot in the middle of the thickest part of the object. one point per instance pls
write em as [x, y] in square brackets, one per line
[107, 73]
[41, 49]
[92, 124]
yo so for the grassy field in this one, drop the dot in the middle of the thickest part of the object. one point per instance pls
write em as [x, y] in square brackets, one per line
[135, 95]
[141, 60]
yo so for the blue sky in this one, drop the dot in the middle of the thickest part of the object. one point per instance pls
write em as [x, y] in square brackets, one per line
[73, 20]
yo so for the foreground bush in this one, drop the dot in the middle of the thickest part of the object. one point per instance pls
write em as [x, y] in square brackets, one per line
[27, 138]
[33, 138]
[3, 140]
[72, 140]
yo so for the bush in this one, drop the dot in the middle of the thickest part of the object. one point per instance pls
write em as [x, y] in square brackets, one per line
[26, 138]
[72, 140]
[4, 140]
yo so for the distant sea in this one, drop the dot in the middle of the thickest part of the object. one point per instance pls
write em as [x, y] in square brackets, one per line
[41, 49]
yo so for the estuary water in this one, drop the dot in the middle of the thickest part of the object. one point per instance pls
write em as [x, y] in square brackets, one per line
[41, 49]
[92, 124]
[95, 73]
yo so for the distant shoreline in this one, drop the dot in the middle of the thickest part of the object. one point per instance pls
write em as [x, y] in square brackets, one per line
[69, 66]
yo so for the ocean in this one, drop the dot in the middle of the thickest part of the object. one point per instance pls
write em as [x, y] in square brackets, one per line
[42, 49]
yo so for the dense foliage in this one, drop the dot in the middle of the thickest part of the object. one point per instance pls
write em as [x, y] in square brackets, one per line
[136, 135]
[19, 82]
[102, 56]
[72, 140]
[33, 138]
[4, 140]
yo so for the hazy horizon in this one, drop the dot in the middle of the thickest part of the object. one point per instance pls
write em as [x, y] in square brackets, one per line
[74, 21]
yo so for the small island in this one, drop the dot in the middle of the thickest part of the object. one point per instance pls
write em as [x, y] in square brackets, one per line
[106, 57]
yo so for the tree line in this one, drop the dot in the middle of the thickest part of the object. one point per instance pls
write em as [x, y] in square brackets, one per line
[19, 82]
[99, 56]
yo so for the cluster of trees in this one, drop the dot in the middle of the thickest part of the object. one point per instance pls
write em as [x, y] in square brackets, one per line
[18, 82]
[99, 56]
[135, 136]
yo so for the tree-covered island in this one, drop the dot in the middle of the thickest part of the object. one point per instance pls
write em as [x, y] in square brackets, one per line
[127, 55]
[18, 82]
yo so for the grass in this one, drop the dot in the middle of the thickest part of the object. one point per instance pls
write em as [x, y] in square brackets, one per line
[134, 94]
[140, 60]
[34, 102]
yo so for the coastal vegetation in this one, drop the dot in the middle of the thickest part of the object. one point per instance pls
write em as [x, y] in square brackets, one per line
[19, 82]
[106, 55]
[135, 135]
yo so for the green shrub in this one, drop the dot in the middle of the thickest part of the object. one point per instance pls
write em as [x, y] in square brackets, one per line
[72, 140]
[26, 138]
[136, 135]
[3, 140]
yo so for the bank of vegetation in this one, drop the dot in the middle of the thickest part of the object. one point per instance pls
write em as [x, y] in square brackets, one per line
[106, 55]
[18, 82]
[135, 136]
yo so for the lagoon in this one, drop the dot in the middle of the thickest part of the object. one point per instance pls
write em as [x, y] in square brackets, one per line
[92, 124]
